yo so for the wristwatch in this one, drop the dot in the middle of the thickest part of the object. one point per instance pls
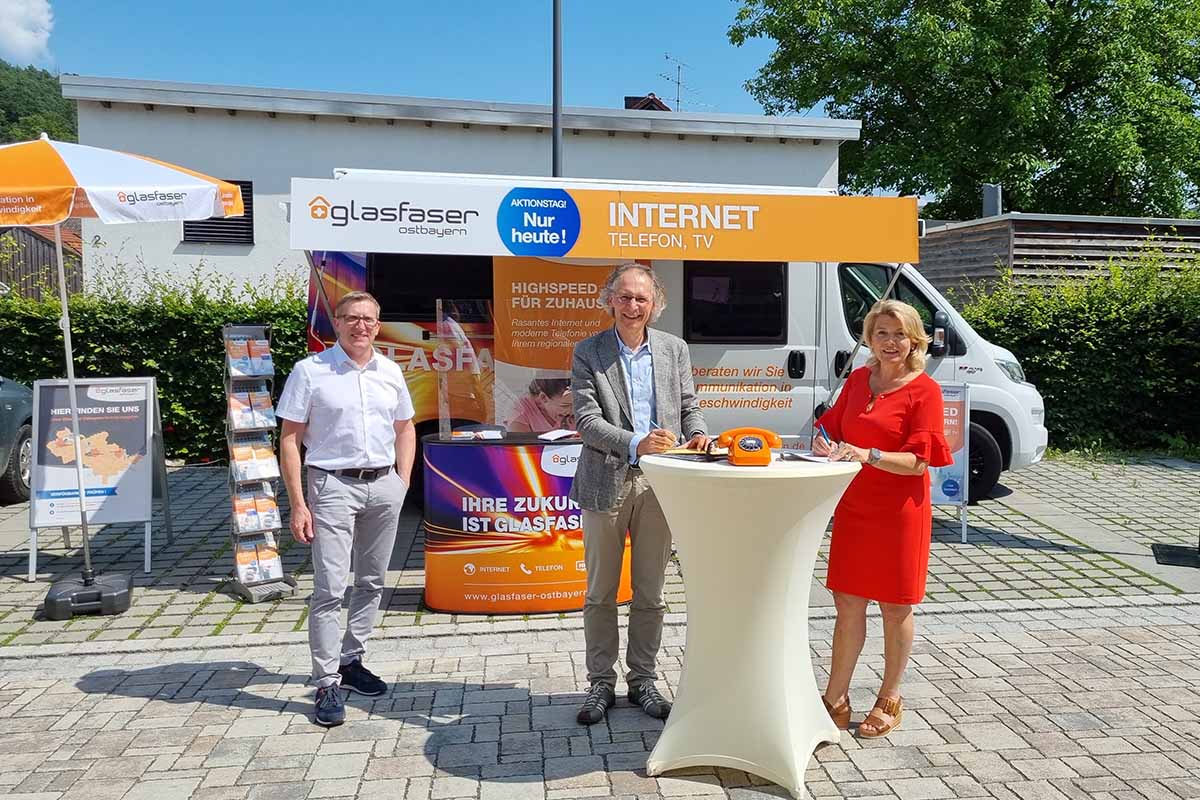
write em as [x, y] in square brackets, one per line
[874, 455]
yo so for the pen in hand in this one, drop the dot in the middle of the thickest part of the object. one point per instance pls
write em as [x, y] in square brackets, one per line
[824, 434]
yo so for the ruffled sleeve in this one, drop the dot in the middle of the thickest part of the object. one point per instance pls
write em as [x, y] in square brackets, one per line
[832, 419]
[926, 437]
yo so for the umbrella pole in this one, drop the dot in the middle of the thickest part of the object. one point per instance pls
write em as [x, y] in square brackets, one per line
[65, 323]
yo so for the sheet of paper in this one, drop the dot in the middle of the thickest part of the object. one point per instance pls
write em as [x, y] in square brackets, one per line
[555, 435]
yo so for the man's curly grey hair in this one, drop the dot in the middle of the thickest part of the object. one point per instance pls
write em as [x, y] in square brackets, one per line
[660, 294]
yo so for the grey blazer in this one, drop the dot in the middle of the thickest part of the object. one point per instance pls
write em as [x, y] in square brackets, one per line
[603, 418]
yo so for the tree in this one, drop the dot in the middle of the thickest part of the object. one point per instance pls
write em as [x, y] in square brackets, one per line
[1073, 106]
[31, 102]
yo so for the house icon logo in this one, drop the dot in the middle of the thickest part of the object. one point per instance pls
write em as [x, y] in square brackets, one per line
[318, 207]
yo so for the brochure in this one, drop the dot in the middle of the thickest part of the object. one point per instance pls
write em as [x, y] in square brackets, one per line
[268, 512]
[264, 414]
[245, 511]
[260, 357]
[555, 435]
[254, 458]
[239, 357]
[471, 435]
[258, 559]
[241, 413]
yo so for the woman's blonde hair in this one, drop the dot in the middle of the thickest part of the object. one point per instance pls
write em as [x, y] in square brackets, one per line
[910, 322]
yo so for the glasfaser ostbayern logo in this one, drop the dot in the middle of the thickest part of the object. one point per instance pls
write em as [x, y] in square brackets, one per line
[318, 208]
[561, 460]
[409, 218]
[156, 197]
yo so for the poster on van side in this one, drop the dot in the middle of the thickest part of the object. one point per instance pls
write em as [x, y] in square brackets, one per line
[501, 535]
[541, 309]
[948, 486]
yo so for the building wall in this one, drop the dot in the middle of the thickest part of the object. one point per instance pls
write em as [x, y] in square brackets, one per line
[29, 265]
[271, 151]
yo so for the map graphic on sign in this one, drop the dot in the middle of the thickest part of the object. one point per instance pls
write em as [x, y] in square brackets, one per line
[116, 417]
[107, 460]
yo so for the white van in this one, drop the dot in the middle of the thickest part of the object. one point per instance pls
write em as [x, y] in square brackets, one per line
[799, 322]
[767, 340]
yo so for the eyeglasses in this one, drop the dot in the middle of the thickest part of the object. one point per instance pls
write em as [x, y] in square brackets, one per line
[355, 319]
[630, 299]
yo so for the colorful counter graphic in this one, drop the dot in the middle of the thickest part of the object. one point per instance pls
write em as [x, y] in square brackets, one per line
[501, 536]
[435, 214]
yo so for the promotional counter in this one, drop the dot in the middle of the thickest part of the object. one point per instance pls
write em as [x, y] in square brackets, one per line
[501, 536]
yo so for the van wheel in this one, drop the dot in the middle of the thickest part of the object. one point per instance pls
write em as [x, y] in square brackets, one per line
[986, 462]
[14, 480]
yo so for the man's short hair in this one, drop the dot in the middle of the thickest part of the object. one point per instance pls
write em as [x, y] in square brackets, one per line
[356, 297]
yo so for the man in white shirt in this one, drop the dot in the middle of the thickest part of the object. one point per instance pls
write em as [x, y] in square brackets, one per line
[351, 409]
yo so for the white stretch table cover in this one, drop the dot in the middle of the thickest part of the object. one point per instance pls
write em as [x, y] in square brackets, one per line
[747, 540]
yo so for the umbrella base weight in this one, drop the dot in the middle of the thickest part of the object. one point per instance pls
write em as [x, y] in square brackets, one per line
[1176, 555]
[110, 594]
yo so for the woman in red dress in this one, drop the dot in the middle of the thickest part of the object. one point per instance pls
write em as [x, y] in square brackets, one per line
[889, 418]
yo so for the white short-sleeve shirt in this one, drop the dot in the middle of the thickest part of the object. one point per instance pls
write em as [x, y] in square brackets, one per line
[350, 410]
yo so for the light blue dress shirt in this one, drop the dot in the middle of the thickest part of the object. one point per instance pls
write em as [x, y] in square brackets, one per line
[639, 377]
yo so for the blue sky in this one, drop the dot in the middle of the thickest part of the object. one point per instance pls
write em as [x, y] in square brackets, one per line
[468, 50]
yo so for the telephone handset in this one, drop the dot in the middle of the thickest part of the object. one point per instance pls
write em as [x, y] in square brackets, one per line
[749, 447]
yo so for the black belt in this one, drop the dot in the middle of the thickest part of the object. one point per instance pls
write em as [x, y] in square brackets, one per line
[367, 474]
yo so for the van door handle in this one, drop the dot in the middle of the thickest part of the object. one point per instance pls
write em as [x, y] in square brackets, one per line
[839, 362]
[795, 364]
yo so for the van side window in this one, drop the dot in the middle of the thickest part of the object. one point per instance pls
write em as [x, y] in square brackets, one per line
[734, 302]
[407, 286]
[863, 284]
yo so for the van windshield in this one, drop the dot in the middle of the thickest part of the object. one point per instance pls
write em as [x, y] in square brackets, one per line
[863, 284]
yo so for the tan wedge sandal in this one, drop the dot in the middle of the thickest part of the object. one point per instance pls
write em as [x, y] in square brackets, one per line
[840, 714]
[874, 726]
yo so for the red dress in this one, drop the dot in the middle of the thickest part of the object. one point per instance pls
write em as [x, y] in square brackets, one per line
[882, 526]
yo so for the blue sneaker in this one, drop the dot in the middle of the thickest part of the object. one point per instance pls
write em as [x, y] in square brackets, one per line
[357, 678]
[331, 709]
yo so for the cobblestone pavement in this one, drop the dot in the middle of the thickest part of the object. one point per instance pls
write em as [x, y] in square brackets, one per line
[1063, 533]
[1062, 701]
[1147, 501]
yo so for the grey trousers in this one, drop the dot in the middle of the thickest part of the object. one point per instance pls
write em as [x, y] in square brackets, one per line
[351, 518]
[637, 511]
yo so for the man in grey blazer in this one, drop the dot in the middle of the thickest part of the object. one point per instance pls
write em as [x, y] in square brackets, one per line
[633, 396]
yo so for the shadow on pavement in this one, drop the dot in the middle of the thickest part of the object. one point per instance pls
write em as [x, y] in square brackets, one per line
[950, 534]
[454, 725]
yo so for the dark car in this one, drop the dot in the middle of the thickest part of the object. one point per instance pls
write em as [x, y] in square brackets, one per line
[16, 440]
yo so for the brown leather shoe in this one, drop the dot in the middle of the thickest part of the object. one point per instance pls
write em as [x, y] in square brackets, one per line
[840, 714]
[875, 726]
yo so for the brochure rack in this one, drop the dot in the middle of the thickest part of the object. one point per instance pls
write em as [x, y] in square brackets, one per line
[255, 521]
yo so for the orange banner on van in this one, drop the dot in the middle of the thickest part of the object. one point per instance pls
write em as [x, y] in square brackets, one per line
[745, 227]
[564, 218]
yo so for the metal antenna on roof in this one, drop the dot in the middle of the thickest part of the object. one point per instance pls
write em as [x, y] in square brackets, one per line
[679, 84]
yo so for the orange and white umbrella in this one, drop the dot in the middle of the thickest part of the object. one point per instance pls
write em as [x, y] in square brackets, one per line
[44, 182]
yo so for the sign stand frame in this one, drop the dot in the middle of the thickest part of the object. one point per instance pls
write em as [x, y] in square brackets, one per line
[159, 486]
[965, 489]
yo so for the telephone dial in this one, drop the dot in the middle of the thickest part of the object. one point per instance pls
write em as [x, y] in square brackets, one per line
[749, 447]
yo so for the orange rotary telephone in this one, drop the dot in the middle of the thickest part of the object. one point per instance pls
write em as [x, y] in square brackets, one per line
[749, 447]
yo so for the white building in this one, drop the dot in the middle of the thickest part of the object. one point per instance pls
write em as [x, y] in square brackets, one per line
[265, 137]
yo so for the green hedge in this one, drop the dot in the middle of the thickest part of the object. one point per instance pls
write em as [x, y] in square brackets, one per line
[1116, 357]
[172, 332]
